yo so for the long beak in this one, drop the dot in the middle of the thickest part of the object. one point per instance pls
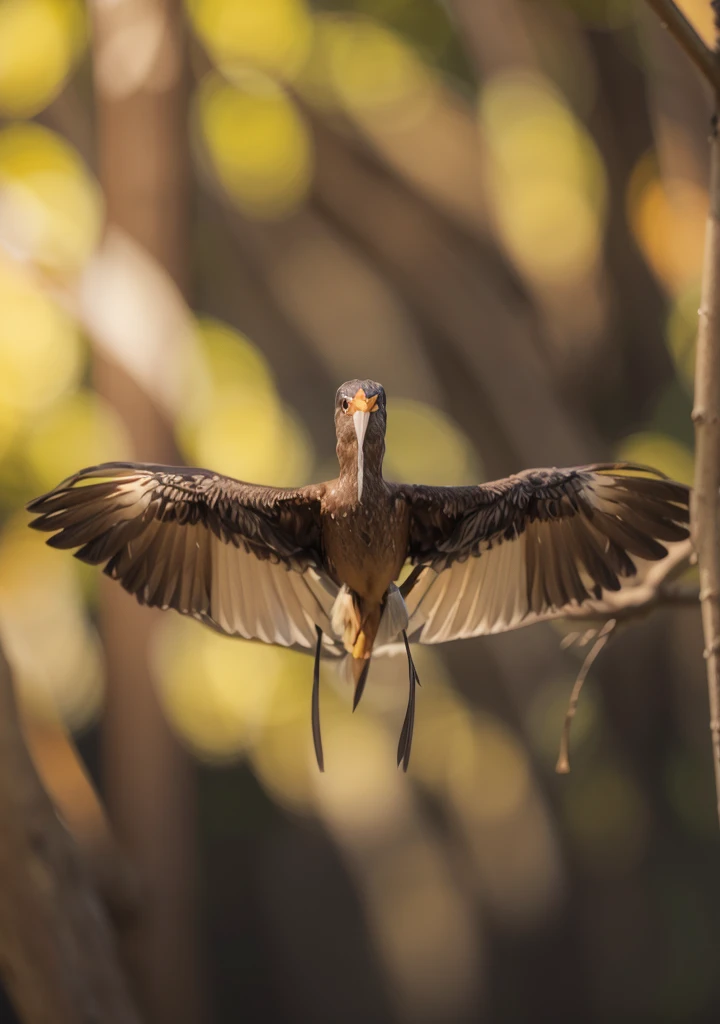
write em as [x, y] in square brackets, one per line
[360, 421]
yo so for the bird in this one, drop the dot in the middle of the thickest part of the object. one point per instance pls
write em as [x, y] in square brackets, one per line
[319, 567]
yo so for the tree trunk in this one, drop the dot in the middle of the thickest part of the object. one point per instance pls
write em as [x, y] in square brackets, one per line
[142, 88]
[57, 954]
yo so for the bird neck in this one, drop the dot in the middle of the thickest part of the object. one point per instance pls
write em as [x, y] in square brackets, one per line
[368, 474]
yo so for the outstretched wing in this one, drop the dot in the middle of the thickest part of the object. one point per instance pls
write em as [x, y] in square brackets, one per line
[240, 557]
[493, 557]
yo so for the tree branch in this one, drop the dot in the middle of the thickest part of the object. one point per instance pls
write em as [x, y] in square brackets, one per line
[56, 951]
[66, 781]
[682, 30]
[705, 507]
[657, 588]
[563, 762]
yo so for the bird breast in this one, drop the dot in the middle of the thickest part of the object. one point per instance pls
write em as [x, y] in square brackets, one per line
[365, 544]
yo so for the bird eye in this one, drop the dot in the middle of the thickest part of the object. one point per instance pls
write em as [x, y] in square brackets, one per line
[345, 404]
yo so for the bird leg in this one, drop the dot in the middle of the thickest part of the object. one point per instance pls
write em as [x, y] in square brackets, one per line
[362, 648]
[406, 733]
[315, 704]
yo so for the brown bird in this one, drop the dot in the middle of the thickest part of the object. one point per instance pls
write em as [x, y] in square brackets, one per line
[315, 567]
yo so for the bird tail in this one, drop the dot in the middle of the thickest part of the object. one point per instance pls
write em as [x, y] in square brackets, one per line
[359, 668]
[363, 628]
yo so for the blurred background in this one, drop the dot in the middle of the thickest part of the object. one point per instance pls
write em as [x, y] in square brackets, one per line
[212, 214]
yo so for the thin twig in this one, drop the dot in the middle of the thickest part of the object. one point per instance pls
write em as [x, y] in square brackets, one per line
[563, 762]
[657, 588]
[678, 26]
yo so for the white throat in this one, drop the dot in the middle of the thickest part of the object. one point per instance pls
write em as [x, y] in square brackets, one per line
[360, 421]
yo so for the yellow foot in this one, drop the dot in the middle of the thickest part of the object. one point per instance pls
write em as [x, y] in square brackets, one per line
[358, 650]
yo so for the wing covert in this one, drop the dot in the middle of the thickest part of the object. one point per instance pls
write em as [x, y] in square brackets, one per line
[517, 550]
[240, 557]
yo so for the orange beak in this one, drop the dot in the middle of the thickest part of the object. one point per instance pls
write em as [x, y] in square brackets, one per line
[361, 403]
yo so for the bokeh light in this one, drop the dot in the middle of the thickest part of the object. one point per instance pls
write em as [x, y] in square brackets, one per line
[257, 142]
[42, 354]
[273, 35]
[668, 218]
[242, 428]
[50, 207]
[218, 691]
[344, 154]
[368, 69]
[55, 653]
[39, 43]
[660, 451]
[79, 430]
[424, 444]
[546, 177]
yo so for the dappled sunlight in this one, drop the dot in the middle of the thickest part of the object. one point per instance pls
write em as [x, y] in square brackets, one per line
[363, 793]
[231, 698]
[368, 69]
[138, 319]
[501, 210]
[217, 691]
[273, 35]
[252, 439]
[660, 451]
[508, 829]
[421, 923]
[41, 352]
[231, 357]
[668, 219]
[39, 43]
[135, 48]
[444, 720]
[426, 445]
[79, 430]
[283, 757]
[546, 177]
[488, 751]
[240, 426]
[402, 106]
[55, 652]
[700, 15]
[402, 874]
[257, 141]
[50, 207]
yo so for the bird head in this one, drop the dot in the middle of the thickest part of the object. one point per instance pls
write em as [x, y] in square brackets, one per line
[360, 425]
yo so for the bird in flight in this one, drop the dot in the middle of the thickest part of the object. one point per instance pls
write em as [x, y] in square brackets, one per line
[316, 567]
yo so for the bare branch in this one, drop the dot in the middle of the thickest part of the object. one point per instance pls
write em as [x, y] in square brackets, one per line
[681, 29]
[705, 506]
[657, 587]
[563, 762]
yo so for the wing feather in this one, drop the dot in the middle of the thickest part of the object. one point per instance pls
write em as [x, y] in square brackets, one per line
[522, 549]
[244, 559]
